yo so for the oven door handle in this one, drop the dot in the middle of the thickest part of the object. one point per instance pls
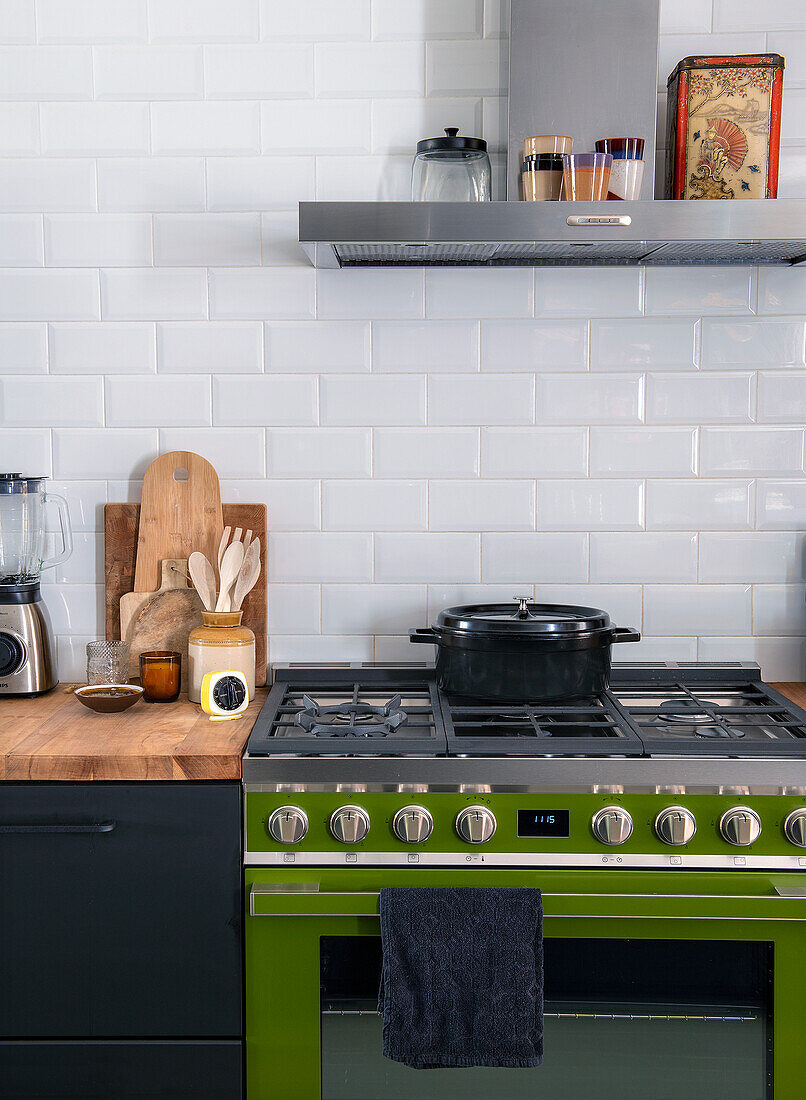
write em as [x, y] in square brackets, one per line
[273, 899]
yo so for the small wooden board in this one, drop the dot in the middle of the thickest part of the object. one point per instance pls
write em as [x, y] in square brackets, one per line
[162, 619]
[120, 551]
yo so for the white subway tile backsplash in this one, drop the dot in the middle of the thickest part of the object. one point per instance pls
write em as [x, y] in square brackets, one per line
[481, 399]
[781, 505]
[235, 453]
[478, 292]
[19, 21]
[426, 19]
[345, 69]
[481, 505]
[534, 558]
[265, 400]
[699, 505]
[217, 347]
[426, 452]
[590, 505]
[319, 452]
[40, 401]
[291, 505]
[317, 347]
[374, 505]
[45, 72]
[152, 294]
[370, 292]
[34, 294]
[653, 344]
[294, 608]
[321, 557]
[398, 124]
[662, 649]
[782, 397]
[19, 129]
[534, 345]
[743, 15]
[702, 609]
[779, 609]
[461, 68]
[705, 397]
[419, 346]
[367, 179]
[202, 240]
[26, 449]
[97, 240]
[700, 289]
[427, 558]
[781, 659]
[134, 400]
[46, 184]
[241, 293]
[94, 129]
[792, 44]
[685, 16]
[751, 451]
[451, 595]
[746, 343]
[588, 292]
[213, 129]
[320, 648]
[203, 21]
[76, 609]
[534, 452]
[383, 399]
[257, 183]
[315, 126]
[91, 21]
[643, 557]
[114, 453]
[278, 239]
[21, 241]
[318, 20]
[258, 72]
[623, 603]
[651, 452]
[781, 290]
[150, 184]
[105, 348]
[752, 556]
[590, 398]
[148, 72]
[372, 608]
[85, 503]
[23, 349]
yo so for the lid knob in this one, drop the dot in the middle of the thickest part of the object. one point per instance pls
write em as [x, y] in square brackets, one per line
[451, 131]
[523, 606]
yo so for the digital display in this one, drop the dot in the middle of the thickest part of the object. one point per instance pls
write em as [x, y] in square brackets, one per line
[543, 822]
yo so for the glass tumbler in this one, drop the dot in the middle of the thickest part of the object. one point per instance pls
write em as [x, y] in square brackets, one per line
[108, 662]
[160, 675]
[586, 175]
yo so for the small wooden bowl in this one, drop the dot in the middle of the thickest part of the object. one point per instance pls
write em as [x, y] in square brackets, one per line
[109, 698]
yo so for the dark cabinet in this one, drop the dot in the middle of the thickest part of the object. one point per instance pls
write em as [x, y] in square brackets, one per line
[120, 918]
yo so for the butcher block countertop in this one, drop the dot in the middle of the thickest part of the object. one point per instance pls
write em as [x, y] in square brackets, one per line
[54, 737]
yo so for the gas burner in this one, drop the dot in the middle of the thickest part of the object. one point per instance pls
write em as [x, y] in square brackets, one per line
[353, 719]
[688, 712]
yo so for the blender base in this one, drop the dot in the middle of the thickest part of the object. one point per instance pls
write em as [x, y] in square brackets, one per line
[27, 648]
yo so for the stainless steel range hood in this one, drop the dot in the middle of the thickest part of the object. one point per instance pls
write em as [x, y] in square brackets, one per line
[572, 73]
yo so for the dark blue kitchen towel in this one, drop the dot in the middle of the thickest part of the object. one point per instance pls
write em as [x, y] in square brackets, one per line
[462, 978]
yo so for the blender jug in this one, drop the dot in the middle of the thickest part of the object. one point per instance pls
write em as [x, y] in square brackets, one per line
[27, 651]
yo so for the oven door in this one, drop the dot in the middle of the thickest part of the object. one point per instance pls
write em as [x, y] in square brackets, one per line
[657, 986]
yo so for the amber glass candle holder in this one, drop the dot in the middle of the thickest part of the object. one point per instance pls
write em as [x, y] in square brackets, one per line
[160, 675]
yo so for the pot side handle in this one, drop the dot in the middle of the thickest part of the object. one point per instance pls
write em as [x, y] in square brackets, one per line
[425, 634]
[625, 634]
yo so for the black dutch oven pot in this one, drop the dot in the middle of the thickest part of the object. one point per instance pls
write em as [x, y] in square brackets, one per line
[535, 652]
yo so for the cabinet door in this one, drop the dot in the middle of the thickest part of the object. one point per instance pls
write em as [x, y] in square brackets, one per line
[120, 910]
[135, 1070]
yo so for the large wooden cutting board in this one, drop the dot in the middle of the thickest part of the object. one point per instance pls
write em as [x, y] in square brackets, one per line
[120, 550]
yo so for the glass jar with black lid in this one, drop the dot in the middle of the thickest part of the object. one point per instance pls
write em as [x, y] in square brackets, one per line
[451, 169]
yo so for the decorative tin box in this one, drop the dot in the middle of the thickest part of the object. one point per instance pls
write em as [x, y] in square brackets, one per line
[724, 127]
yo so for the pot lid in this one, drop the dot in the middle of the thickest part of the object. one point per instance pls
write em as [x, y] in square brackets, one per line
[17, 483]
[451, 143]
[527, 619]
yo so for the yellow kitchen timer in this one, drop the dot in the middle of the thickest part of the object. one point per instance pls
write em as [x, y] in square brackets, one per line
[224, 695]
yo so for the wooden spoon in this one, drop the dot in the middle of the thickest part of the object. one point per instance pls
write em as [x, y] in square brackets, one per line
[203, 577]
[230, 567]
[222, 546]
[247, 578]
[246, 540]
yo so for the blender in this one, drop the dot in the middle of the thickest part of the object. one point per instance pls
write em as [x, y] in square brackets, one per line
[27, 651]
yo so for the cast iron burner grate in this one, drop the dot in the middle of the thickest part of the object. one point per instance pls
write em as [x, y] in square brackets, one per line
[353, 719]
[688, 713]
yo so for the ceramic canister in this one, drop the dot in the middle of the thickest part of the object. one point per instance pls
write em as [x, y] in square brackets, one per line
[221, 644]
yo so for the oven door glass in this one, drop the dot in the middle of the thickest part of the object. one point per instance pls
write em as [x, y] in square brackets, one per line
[635, 1018]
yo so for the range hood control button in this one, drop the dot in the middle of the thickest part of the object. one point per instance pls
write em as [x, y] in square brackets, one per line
[288, 825]
[612, 825]
[795, 827]
[740, 826]
[675, 825]
[475, 824]
[412, 824]
[349, 824]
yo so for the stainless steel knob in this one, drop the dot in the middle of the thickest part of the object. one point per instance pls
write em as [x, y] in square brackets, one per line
[475, 824]
[349, 824]
[612, 825]
[675, 825]
[412, 824]
[795, 827]
[740, 826]
[288, 824]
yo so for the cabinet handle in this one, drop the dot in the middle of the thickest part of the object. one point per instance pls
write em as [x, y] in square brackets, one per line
[90, 827]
